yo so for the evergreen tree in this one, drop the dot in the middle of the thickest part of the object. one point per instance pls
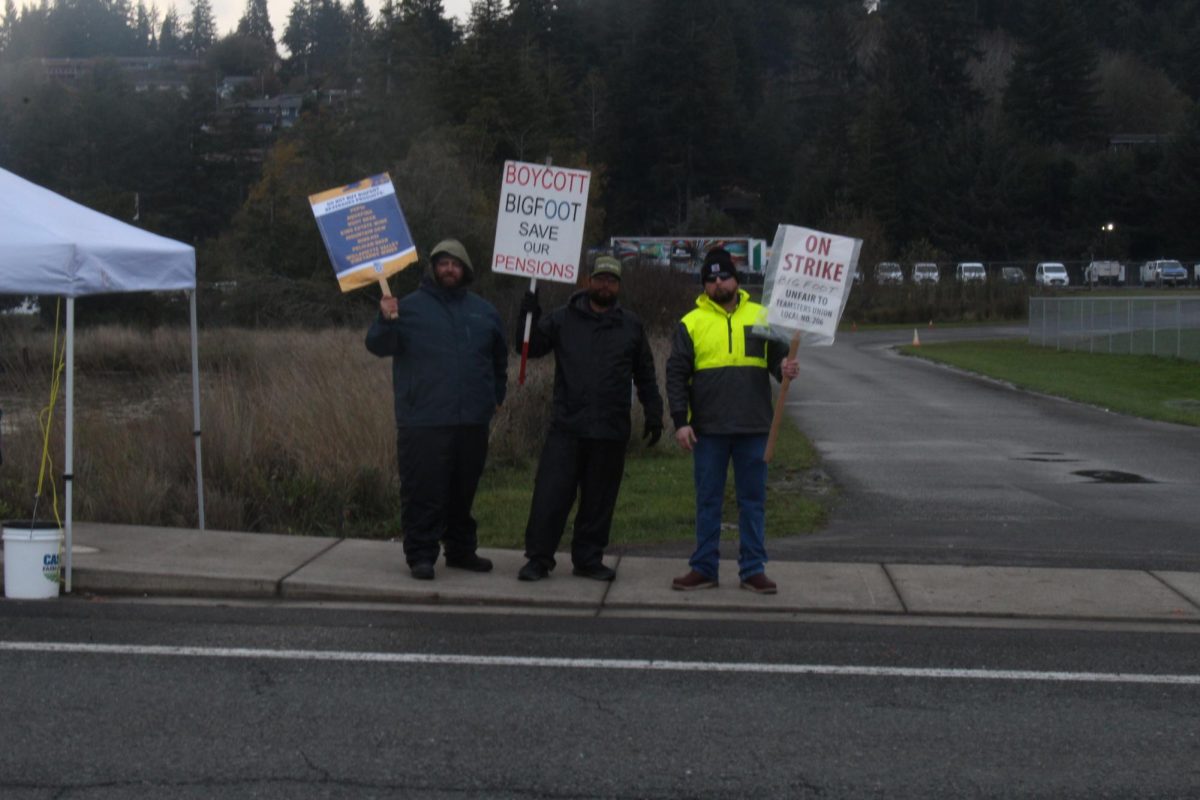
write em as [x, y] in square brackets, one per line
[1181, 189]
[680, 140]
[87, 28]
[1051, 95]
[428, 20]
[298, 36]
[885, 152]
[358, 48]
[144, 28]
[201, 28]
[929, 45]
[410, 54]
[331, 37]
[170, 34]
[318, 38]
[531, 19]
[256, 22]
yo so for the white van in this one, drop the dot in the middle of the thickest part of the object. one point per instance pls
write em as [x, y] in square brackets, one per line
[925, 272]
[888, 273]
[970, 272]
[1050, 273]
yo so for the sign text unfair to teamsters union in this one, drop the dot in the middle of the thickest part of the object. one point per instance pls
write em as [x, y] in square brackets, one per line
[539, 227]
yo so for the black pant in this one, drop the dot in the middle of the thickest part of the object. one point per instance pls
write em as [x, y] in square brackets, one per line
[439, 473]
[591, 468]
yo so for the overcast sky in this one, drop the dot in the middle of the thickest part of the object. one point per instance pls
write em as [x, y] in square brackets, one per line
[228, 12]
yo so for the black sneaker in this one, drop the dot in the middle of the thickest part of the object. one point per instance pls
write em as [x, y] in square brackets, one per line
[597, 572]
[422, 570]
[471, 562]
[533, 571]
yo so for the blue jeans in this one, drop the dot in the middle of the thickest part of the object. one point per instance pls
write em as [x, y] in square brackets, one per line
[710, 463]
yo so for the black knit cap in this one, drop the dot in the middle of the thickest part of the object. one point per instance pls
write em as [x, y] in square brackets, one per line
[719, 262]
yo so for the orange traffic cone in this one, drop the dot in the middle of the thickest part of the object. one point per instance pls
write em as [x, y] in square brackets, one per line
[916, 339]
[853, 326]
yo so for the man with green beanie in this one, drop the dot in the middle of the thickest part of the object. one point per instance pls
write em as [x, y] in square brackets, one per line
[449, 375]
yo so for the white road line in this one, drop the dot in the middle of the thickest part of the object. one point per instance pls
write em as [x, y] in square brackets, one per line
[654, 665]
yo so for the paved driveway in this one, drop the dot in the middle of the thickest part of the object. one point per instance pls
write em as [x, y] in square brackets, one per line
[940, 466]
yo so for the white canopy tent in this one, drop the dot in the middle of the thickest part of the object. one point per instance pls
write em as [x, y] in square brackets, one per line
[50, 245]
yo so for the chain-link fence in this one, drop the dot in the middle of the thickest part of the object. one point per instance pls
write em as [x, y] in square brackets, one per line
[1160, 326]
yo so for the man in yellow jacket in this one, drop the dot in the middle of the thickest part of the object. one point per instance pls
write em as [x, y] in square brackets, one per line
[719, 392]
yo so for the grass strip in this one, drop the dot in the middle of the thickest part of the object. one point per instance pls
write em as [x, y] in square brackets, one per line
[657, 500]
[1153, 387]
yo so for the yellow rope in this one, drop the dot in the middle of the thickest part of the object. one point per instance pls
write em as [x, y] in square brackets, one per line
[58, 358]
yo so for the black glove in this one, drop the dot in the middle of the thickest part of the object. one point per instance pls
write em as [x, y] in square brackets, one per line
[529, 304]
[652, 433]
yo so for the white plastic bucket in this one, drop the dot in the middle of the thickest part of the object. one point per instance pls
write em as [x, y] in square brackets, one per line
[31, 559]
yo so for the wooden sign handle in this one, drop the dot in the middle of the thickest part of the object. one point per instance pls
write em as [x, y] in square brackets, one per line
[780, 402]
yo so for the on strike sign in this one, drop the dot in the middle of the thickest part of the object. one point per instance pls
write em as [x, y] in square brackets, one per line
[809, 277]
[539, 228]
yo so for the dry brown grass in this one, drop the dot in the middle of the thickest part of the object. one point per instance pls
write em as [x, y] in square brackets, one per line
[298, 429]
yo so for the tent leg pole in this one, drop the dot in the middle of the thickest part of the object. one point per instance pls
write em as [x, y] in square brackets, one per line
[69, 446]
[196, 411]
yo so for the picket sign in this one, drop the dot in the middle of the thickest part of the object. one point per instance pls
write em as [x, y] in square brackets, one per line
[364, 232]
[539, 228]
[808, 280]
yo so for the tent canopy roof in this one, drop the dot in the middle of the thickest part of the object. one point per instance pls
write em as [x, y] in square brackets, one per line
[50, 245]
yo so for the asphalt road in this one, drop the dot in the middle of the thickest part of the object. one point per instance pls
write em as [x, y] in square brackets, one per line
[939, 466]
[468, 706]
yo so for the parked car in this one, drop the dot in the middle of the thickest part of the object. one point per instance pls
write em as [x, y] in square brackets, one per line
[888, 273]
[1012, 275]
[970, 272]
[1164, 271]
[1051, 273]
[1196, 274]
[1111, 272]
[925, 272]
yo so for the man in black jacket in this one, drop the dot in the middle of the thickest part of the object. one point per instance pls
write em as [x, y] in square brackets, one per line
[599, 349]
[449, 375]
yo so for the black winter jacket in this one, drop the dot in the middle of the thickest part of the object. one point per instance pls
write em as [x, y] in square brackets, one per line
[449, 358]
[597, 356]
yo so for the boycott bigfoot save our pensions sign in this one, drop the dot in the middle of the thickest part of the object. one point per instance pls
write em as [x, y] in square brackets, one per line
[539, 227]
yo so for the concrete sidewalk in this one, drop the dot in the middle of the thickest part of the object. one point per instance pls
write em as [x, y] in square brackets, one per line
[134, 560]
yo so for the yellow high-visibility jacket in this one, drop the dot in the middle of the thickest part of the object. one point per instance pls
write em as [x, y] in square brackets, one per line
[718, 371]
